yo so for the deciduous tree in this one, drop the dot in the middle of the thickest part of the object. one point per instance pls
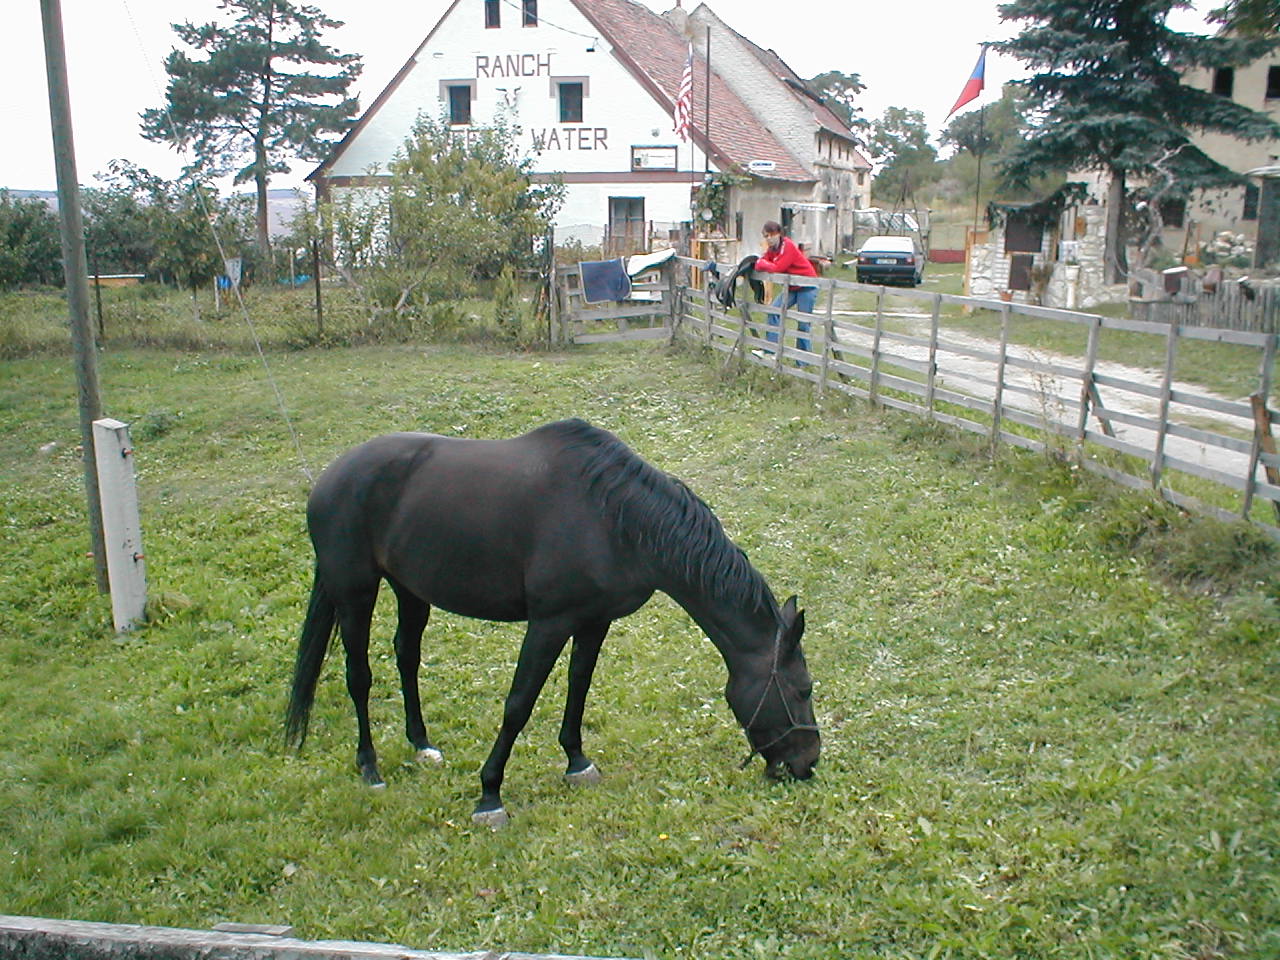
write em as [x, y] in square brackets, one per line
[249, 95]
[30, 248]
[839, 91]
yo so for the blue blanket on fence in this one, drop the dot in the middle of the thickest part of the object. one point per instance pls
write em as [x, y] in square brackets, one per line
[604, 280]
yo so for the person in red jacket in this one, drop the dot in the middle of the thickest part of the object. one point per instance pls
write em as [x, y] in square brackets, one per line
[783, 256]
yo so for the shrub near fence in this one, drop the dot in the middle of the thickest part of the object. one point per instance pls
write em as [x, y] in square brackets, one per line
[1204, 453]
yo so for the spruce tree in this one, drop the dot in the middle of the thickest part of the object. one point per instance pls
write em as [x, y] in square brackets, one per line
[250, 96]
[1110, 95]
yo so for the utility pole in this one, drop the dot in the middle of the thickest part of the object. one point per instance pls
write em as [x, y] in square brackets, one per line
[75, 270]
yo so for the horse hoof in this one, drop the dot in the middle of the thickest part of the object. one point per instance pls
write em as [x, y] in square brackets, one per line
[585, 777]
[377, 785]
[493, 819]
[429, 755]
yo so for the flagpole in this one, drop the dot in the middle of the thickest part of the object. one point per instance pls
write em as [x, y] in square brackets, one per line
[977, 190]
[706, 96]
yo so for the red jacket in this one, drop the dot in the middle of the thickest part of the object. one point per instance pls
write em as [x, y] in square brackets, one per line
[787, 258]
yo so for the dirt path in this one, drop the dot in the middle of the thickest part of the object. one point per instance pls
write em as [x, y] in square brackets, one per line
[1046, 388]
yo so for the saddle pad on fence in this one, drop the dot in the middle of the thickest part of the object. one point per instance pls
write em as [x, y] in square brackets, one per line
[605, 280]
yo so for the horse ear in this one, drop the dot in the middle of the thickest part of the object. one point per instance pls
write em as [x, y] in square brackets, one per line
[788, 612]
[796, 630]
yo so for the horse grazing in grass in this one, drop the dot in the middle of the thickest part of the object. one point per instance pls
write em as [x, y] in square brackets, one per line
[565, 528]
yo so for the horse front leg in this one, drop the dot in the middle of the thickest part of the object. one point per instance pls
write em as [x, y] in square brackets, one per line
[542, 645]
[582, 664]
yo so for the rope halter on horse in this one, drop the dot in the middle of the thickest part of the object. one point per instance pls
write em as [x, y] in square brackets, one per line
[774, 680]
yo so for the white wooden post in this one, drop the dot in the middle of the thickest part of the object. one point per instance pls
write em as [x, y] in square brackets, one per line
[122, 530]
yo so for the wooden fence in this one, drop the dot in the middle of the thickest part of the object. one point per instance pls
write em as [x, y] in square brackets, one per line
[1204, 453]
[1188, 299]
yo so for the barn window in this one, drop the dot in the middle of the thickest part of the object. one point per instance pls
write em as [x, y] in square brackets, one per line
[492, 13]
[1224, 81]
[460, 104]
[570, 102]
[530, 10]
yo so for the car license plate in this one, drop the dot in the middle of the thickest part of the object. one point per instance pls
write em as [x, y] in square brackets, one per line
[888, 262]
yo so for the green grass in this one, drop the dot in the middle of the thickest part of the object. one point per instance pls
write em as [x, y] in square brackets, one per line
[1049, 707]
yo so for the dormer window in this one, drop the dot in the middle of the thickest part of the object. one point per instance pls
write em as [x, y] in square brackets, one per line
[529, 8]
[492, 14]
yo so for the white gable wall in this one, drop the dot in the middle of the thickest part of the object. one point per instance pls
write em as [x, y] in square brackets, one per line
[514, 66]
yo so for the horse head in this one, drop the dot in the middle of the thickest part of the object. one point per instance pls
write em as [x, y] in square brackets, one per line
[773, 702]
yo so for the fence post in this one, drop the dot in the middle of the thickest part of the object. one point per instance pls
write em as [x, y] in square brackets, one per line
[997, 402]
[932, 376]
[1166, 390]
[782, 333]
[1262, 439]
[873, 394]
[121, 528]
[1087, 392]
[828, 334]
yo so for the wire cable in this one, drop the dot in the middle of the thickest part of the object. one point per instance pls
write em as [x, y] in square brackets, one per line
[222, 254]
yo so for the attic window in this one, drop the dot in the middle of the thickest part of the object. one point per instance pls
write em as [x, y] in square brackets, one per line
[1224, 81]
[492, 14]
[530, 11]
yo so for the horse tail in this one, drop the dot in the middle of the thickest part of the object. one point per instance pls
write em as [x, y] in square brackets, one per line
[313, 644]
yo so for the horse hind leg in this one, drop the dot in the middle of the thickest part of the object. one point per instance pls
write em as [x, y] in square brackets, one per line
[413, 615]
[582, 663]
[354, 616]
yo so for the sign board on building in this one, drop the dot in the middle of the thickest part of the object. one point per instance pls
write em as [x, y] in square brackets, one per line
[760, 166]
[653, 158]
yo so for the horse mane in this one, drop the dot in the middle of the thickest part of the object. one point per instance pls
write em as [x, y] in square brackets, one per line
[658, 513]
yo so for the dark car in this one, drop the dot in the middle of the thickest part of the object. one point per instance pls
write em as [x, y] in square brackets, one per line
[890, 260]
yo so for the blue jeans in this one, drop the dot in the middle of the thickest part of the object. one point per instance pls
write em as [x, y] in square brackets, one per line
[806, 299]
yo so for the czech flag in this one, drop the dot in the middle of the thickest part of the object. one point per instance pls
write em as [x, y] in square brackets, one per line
[973, 86]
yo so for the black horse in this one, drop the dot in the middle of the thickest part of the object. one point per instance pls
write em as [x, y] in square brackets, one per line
[564, 527]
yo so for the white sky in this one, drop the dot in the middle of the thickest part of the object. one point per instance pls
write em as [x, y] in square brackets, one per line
[916, 55]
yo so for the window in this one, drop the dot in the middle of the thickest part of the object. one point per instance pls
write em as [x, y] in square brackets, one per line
[460, 104]
[1250, 203]
[492, 14]
[1273, 83]
[570, 102]
[1224, 81]
[530, 10]
[1022, 236]
[1173, 212]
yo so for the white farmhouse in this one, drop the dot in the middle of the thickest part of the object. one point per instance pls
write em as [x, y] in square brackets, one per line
[593, 86]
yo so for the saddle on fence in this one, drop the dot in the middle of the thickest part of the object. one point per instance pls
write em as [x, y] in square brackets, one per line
[723, 290]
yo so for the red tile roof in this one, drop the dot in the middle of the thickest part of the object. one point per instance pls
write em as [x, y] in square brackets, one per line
[655, 52]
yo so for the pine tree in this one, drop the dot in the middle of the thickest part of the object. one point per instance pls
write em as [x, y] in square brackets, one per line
[1110, 96]
[250, 96]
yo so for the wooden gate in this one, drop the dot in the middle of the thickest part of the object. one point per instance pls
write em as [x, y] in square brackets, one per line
[648, 314]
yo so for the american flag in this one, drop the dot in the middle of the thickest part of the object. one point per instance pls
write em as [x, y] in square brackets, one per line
[684, 100]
